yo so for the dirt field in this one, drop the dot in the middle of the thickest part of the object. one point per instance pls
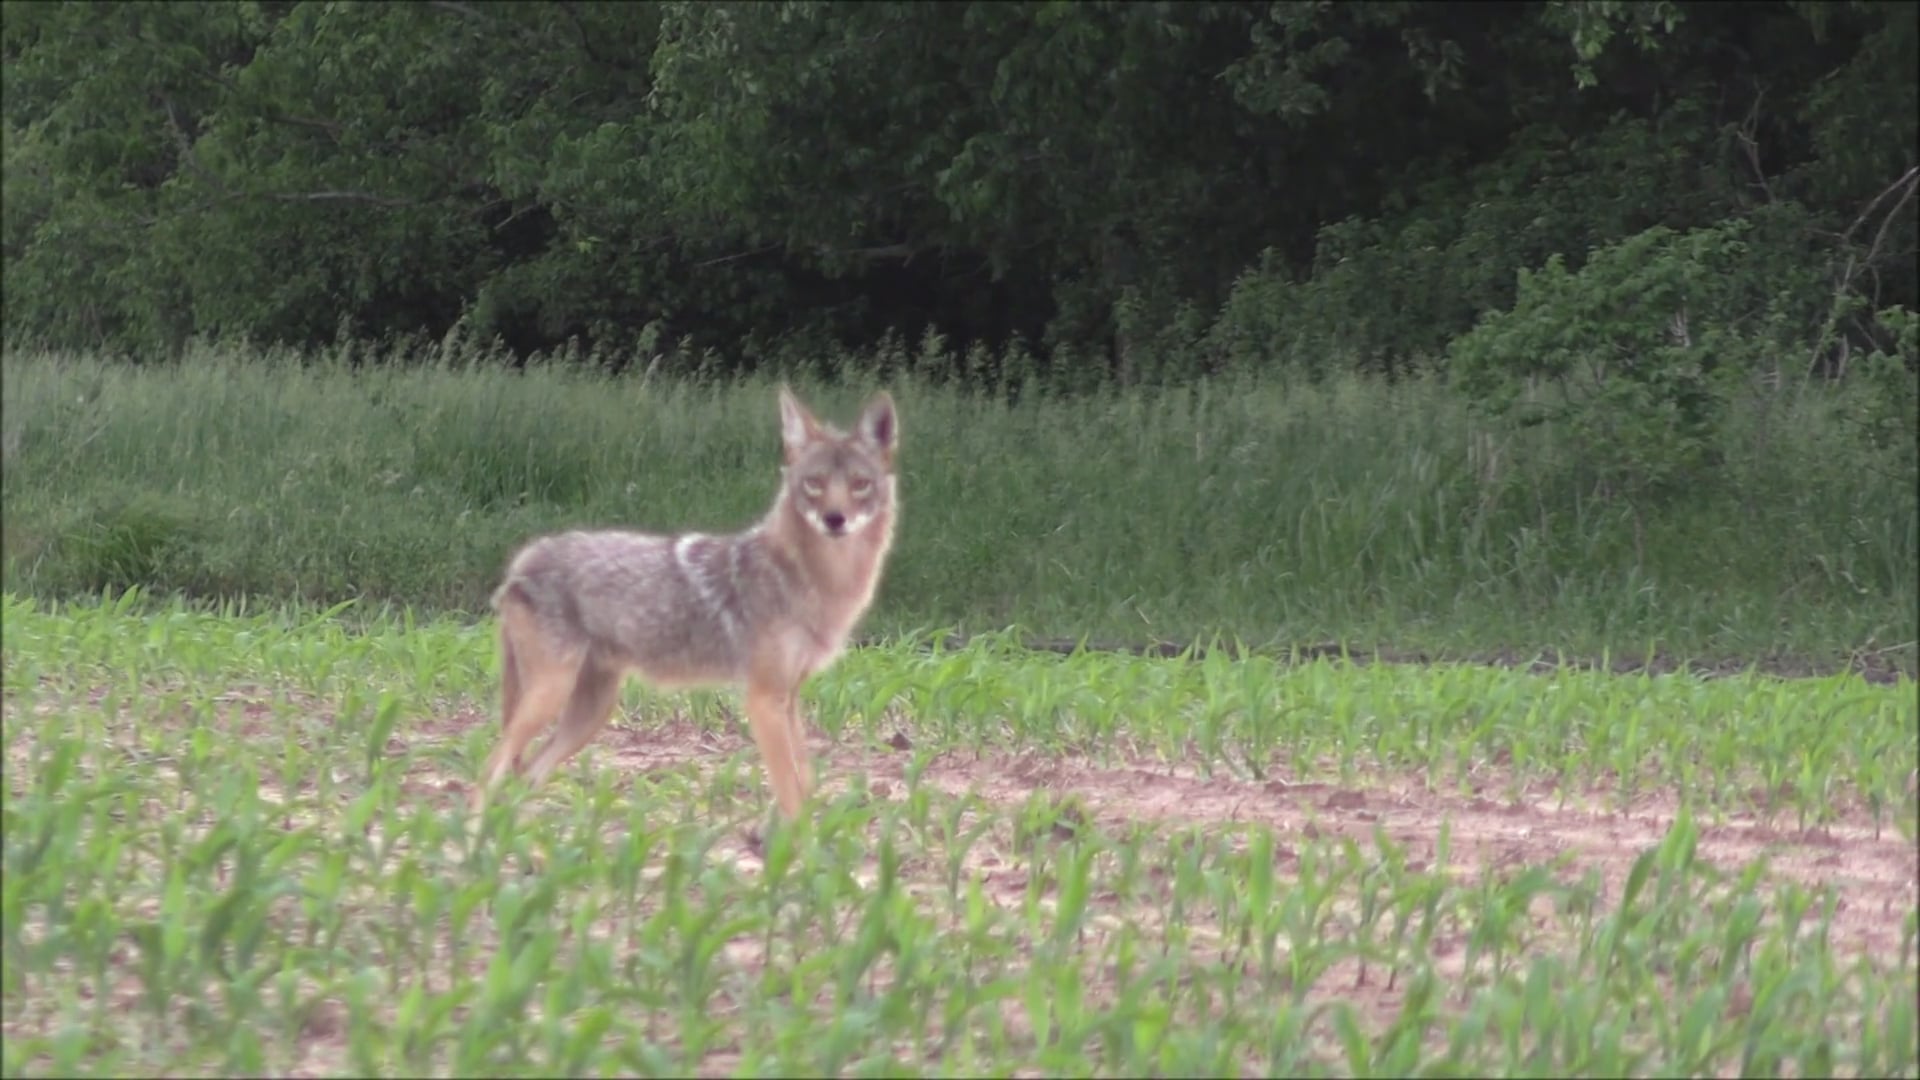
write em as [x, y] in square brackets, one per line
[1877, 878]
[1585, 836]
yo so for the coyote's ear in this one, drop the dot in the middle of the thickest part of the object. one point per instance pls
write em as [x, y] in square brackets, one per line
[798, 428]
[877, 423]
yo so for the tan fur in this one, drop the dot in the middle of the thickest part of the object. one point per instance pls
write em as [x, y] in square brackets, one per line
[762, 609]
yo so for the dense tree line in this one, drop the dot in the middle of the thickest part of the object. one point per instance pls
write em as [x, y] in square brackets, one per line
[1127, 186]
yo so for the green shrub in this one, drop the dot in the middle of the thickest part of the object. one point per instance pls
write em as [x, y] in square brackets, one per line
[1636, 353]
[1392, 290]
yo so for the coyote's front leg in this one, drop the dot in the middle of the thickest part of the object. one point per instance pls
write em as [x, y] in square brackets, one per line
[769, 713]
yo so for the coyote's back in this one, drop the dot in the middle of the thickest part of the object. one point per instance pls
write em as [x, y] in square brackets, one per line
[763, 609]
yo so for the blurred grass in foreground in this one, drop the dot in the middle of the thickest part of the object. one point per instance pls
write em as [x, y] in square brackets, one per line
[235, 843]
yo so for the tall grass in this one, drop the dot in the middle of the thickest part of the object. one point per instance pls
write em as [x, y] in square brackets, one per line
[1248, 507]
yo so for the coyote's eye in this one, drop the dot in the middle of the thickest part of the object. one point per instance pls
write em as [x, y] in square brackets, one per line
[860, 487]
[812, 487]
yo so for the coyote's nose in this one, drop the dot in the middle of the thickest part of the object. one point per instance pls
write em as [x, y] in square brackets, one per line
[834, 520]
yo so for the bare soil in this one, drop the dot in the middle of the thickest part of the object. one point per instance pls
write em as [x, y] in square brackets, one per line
[1875, 873]
[1492, 823]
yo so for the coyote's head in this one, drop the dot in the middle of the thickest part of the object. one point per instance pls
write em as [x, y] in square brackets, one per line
[840, 484]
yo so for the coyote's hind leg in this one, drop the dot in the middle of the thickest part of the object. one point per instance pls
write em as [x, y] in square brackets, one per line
[537, 678]
[595, 692]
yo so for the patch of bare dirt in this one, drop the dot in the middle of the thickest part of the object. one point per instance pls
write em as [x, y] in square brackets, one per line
[1875, 877]
[1875, 870]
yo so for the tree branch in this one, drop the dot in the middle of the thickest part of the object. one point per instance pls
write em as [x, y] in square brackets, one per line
[1909, 182]
[1905, 181]
[901, 252]
[1750, 141]
[367, 197]
[184, 145]
[332, 128]
[737, 256]
[1905, 185]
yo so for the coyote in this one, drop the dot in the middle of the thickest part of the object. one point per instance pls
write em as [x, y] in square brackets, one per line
[763, 609]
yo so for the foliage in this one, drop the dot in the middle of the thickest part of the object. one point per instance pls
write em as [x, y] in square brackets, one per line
[1393, 292]
[1014, 198]
[1890, 402]
[1638, 352]
[662, 179]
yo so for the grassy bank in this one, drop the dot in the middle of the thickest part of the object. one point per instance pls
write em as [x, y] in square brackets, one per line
[1380, 516]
